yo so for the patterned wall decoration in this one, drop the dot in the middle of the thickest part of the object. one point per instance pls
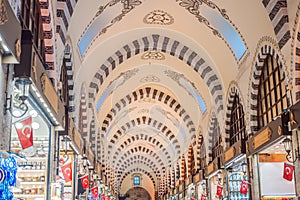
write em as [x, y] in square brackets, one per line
[64, 13]
[153, 55]
[256, 72]
[49, 40]
[278, 14]
[156, 95]
[158, 17]
[233, 90]
[167, 45]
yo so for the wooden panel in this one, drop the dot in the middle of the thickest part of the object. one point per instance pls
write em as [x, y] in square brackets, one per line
[229, 154]
[262, 138]
[272, 158]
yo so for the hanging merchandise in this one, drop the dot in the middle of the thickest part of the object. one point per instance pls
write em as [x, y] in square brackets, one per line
[219, 191]
[244, 187]
[203, 197]
[85, 181]
[288, 171]
[67, 172]
[95, 192]
[24, 131]
[8, 171]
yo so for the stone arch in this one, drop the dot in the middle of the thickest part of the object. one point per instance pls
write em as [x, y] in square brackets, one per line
[264, 50]
[141, 149]
[166, 45]
[92, 136]
[232, 91]
[211, 134]
[296, 53]
[149, 92]
[139, 137]
[83, 118]
[280, 23]
[70, 77]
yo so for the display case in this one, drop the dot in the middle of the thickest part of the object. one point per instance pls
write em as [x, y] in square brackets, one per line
[31, 174]
[234, 184]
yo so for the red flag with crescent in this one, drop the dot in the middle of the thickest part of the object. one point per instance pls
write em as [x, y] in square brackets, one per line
[85, 181]
[203, 197]
[67, 172]
[95, 192]
[288, 171]
[219, 190]
[244, 187]
[25, 133]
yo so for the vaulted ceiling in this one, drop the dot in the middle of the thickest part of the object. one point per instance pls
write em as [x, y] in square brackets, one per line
[153, 71]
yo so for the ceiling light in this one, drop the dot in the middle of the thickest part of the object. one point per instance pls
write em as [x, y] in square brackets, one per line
[35, 125]
[33, 113]
[18, 125]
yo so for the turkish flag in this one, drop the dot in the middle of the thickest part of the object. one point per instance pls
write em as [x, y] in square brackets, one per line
[67, 172]
[288, 171]
[85, 181]
[95, 192]
[244, 187]
[102, 197]
[203, 197]
[192, 198]
[219, 190]
[25, 133]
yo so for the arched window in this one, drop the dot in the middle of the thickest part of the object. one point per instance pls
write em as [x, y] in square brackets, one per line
[237, 123]
[272, 97]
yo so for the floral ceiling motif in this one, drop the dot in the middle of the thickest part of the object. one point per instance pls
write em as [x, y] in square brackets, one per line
[153, 55]
[158, 17]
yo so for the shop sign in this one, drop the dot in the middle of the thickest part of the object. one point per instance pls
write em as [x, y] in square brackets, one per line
[210, 168]
[229, 154]
[263, 137]
[49, 92]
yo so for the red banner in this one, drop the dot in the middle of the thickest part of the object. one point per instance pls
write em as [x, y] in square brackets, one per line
[95, 192]
[219, 190]
[25, 133]
[203, 197]
[288, 171]
[244, 187]
[85, 181]
[67, 172]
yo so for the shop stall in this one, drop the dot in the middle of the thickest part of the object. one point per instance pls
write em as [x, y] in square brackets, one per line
[215, 180]
[236, 171]
[275, 172]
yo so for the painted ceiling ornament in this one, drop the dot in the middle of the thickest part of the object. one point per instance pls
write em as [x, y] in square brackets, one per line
[158, 17]
[153, 55]
[3, 13]
[150, 78]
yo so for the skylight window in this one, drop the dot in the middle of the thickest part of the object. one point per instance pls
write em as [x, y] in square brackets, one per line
[226, 30]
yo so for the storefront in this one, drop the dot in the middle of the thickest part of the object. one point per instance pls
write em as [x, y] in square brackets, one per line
[37, 114]
[200, 185]
[274, 173]
[190, 192]
[215, 177]
[236, 172]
